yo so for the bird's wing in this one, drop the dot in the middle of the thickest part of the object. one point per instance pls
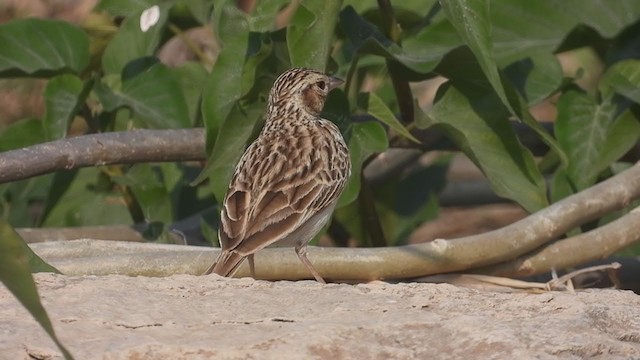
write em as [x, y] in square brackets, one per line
[277, 187]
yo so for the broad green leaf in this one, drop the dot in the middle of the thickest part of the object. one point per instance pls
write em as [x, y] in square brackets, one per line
[15, 273]
[366, 38]
[478, 123]
[124, 7]
[230, 21]
[622, 136]
[58, 186]
[131, 43]
[366, 138]
[19, 197]
[561, 185]
[63, 97]
[88, 201]
[20, 250]
[608, 20]
[38, 46]
[310, 33]
[21, 133]
[201, 10]
[230, 144]
[192, 77]
[150, 192]
[155, 96]
[624, 78]
[581, 128]
[404, 203]
[375, 107]
[521, 28]
[420, 7]
[536, 77]
[431, 44]
[471, 20]
[260, 47]
[462, 66]
[224, 85]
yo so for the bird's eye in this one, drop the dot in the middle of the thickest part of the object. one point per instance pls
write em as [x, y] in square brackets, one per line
[321, 85]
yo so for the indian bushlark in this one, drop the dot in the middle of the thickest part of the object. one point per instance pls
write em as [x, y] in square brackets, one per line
[288, 181]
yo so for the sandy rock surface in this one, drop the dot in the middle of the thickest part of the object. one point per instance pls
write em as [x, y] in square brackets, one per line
[190, 317]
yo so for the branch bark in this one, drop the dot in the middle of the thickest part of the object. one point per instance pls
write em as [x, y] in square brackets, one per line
[125, 147]
[596, 244]
[410, 261]
[139, 146]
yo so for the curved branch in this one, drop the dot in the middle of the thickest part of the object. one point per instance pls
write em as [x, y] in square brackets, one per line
[399, 262]
[125, 147]
[602, 243]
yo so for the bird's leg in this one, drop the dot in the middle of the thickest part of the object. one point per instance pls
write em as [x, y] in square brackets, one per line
[252, 266]
[301, 251]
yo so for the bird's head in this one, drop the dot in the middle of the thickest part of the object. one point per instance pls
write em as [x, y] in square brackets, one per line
[302, 88]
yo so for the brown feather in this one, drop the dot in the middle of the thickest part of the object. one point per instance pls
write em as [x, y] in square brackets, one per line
[294, 171]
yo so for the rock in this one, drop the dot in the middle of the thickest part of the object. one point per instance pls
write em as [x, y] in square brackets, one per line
[194, 317]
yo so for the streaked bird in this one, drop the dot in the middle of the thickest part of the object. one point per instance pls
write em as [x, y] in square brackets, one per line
[288, 181]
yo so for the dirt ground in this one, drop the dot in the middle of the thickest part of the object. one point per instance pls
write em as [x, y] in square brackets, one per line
[195, 317]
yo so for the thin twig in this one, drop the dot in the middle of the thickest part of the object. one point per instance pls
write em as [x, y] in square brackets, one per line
[561, 282]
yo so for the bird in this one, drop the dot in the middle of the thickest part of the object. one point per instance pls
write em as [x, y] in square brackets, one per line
[287, 183]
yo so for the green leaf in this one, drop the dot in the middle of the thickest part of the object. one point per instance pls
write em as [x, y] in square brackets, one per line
[192, 77]
[521, 28]
[404, 203]
[536, 77]
[606, 19]
[131, 43]
[88, 202]
[155, 96]
[375, 107]
[224, 86]
[58, 186]
[622, 136]
[624, 78]
[366, 138]
[21, 133]
[462, 67]
[150, 192]
[581, 128]
[430, 45]
[561, 185]
[230, 144]
[201, 10]
[471, 20]
[63, 97]
[310, 33]
[18, 198]
[124, 7]
[366, 38]
[227, 82]
[16, 276]
[38, 46]
[478, 123]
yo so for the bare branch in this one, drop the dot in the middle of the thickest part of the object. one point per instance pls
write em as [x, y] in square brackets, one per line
[125, 147]
[139, 146]
[596, 244]
[408, 261]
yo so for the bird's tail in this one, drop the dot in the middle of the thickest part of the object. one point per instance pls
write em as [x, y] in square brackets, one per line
[226, 264]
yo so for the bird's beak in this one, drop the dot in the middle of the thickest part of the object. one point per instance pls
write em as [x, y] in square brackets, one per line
[334, 82]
